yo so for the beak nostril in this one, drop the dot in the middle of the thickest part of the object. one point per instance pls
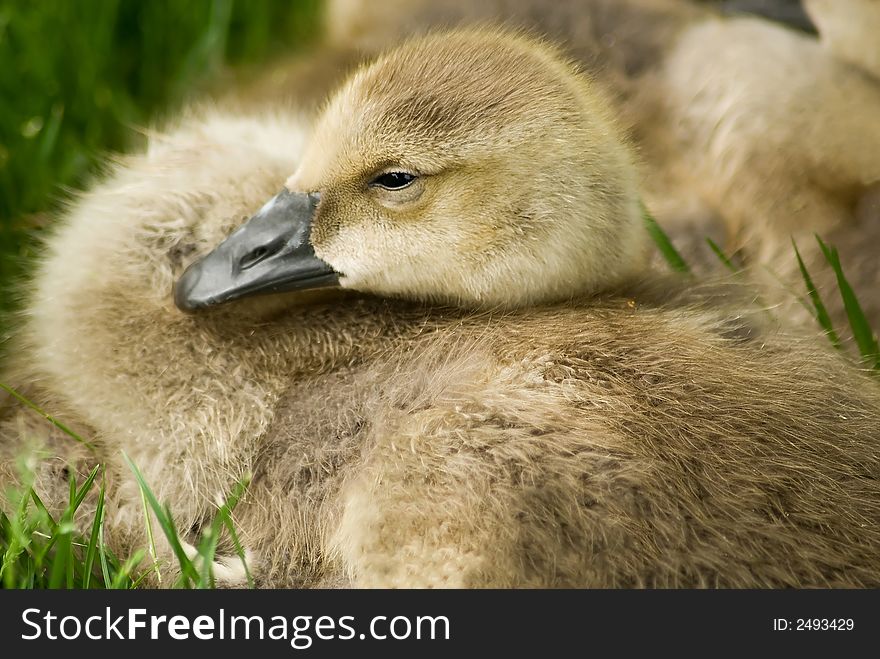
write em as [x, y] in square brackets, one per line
[254, 257]
[269, 253]
[259, 254]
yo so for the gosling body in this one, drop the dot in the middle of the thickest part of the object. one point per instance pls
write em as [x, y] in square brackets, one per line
[575, 432]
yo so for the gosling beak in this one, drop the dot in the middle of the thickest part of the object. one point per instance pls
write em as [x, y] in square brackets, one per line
[269, 253]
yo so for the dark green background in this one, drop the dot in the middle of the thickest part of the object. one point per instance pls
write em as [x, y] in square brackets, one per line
[77, 77]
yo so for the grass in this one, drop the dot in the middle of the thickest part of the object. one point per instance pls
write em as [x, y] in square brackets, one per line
[820, 312]
[78, 80]
[41, 552]
[664, 244]
[863, 333]
[79, 77]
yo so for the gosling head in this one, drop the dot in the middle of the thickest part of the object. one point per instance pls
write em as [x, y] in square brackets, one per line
[476, 168]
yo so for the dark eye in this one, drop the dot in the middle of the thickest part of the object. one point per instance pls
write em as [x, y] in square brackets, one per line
[393, 180]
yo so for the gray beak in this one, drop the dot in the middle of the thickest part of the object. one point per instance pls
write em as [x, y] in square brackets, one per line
[270, 253]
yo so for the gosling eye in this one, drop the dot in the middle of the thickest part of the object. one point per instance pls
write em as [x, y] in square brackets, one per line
[393, 180]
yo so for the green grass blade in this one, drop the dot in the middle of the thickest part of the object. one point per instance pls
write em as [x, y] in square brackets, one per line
[137, 582]
[50, 134]
[861, 328]
[44, 524]
[208, 544]
[102, 549]
[10, 553]
[188, 570]
[102, 554]
[68, 517]
[820, 312]
[41, 507]
[151, 540]
[721, 255]
[189, 575]
[85, 488]
[67, 431]
[664, 244]
[207, 551]
[19, 568]
[239, 548]
[122, 576]
[94, 538]
[63, 555]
